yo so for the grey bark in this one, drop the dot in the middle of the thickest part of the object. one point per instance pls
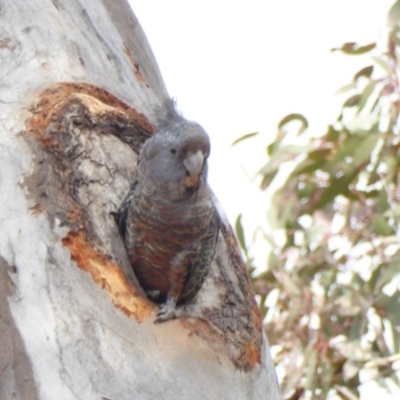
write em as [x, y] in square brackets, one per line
[80, 92]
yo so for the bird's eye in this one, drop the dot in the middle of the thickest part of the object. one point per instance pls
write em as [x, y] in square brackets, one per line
[172, 150]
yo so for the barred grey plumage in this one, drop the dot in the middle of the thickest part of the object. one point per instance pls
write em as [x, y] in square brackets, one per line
[168, 220]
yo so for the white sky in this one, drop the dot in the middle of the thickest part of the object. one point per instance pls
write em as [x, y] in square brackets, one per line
[239, 66]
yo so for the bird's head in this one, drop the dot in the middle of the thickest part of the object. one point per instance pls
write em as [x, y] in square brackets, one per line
[175, 160]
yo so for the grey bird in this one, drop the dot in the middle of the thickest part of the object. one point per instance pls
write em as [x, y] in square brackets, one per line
[168, 221]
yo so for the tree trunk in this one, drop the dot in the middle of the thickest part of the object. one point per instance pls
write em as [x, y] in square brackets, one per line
[80, 92]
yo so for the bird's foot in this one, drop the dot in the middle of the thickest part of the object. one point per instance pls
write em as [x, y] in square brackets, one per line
[168, 311]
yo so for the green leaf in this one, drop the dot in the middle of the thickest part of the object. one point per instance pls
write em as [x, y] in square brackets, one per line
[381, 226]
[370, 194]
[333, 134]
[347, 149]
[311, 365]
[288, 284]
[396, 337]
[366, 72]
[383, 203]
[382, 301]
[267, 179]
[374, 106]
[314, 161]
[347, 88]
[353, 49]
[368, 90]
[326, 378]
[394, 15]
[362, 152]
[294, 117]
[307, 190]
[307, 167]
[287, 214]
[352, 101]
[383, 64]
[327, 278]
[240, 233]
[244, 137]
[393, 308]
[338, 186]
[276, 144]
[273, 147]
[395, 37]
[354, 331]
[282, 155]
[319, 154]
[374, 279]
[389, 273]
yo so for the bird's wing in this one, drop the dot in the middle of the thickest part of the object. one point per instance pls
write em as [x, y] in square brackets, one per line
[121, 215]
[202, 264]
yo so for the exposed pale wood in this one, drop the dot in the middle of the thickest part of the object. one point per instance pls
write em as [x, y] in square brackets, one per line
[79, 93]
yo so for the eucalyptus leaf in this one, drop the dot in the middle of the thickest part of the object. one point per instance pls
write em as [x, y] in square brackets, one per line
[244, 137]
[394, 15]
[365, 72]
[240, 233]
[337, 186]
[334, 223]
[352, 48]
[368, 90]
[383, 64]
[352, 101]
[283, 155]
[294, 117]
[381, 226]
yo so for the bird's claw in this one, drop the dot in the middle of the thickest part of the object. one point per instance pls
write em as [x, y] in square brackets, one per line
[166, 313]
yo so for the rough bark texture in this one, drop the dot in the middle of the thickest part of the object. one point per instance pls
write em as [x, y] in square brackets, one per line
[16, 377]
[80, 92]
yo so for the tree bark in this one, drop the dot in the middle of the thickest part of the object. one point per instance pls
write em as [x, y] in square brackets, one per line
[80, 92]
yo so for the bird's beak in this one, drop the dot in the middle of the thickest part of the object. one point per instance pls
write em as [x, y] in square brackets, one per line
[193, 164]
